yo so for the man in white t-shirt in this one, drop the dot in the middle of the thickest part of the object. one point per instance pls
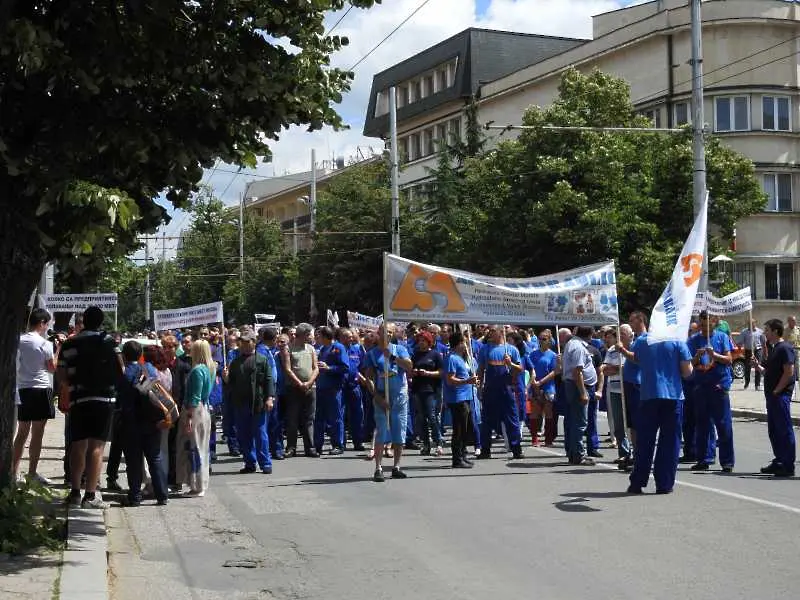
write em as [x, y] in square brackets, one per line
[36, 361]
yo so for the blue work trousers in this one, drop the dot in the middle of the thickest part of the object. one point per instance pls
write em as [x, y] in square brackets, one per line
[275, 428]
[713, 411]
[253, 437]
[661, 418]
[779, 428]
[229, 422]
[592, 439]
[354, 401]
[689, 425]
[329, 417]
[499, 407]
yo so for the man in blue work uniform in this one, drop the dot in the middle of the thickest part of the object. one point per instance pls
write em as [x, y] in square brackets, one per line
[268, 347]
[779, 379]
[631, 336]
[252, 389]
[498, 365]
[353, 398]
[663, 366]
[689, 430]
[713, 377]
[333, 367]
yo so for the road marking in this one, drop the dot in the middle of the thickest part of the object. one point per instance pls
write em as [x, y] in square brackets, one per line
[704, 488]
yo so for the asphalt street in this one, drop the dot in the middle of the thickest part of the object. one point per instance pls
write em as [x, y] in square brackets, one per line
[536, 527]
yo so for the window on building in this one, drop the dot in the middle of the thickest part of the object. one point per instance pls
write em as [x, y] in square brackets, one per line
[654, 115]
[417, 85]
[441, 79]
[427, 142]
[455, 130]
[681, 110]
[428, 88]
[402, 150]
[451, 72]
[779, 281]
[744, 275]
[402, 96]
[732, 113]
[382, 103]
[775, 111]
[778, 187]
[414, 146]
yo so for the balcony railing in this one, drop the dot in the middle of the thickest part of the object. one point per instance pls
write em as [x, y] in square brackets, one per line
[303, 221]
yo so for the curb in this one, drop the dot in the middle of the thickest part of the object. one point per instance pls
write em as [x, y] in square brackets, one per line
[84, 575]
[758, 415]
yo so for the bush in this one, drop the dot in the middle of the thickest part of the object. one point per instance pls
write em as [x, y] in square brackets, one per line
[29, 518]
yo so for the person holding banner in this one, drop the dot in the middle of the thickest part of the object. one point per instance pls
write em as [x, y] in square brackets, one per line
[711, 360]
[779, 380]
[389, 363]
[498, 365]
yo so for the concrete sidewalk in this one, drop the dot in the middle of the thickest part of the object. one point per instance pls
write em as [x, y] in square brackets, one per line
[750, 404]
[80, 571]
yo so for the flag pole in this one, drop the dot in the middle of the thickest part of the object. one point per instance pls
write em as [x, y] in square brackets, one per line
[622, 389]
[386, 329]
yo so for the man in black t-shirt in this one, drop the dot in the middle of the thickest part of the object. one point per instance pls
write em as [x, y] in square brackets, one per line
[779, 378]
[425, 392]
[89, 365]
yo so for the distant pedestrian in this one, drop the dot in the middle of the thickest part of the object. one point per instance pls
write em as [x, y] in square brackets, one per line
[752, 340]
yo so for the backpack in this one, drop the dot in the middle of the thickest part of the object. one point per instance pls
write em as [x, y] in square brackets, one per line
[157, 405]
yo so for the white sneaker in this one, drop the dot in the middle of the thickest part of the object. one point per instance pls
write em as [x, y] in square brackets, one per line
[39, 479]
[95, 503]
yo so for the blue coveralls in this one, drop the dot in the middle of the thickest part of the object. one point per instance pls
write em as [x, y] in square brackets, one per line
[659, 414]
[274, 419]
[228, 413]
[251, 421]
[329, 415]
[353, 397]
[499, 403]
[712, 401]
[779, 418]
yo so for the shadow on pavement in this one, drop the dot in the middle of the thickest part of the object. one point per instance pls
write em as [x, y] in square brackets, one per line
[576, 501]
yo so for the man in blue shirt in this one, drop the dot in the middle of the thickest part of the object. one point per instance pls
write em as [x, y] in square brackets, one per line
[498, 365]
[333, 367]
[269, 348]
[663, 365]
[353, 398]
[630, 337]
[713, 377]
[391, 409]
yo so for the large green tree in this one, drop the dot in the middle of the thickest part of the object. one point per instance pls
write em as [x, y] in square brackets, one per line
[557, 199]
[106, 104]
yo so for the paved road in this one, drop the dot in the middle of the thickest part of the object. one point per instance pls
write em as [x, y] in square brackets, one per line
[530, 528]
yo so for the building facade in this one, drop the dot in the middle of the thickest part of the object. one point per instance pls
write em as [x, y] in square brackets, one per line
[752, 102]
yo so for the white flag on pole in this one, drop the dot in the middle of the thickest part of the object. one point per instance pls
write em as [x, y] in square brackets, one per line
[333, 318]
[672, 314]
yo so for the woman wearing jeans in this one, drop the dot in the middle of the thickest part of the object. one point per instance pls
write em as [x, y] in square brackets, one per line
[426, 387]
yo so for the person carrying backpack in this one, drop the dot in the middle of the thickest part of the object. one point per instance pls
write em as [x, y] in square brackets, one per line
[142, 425]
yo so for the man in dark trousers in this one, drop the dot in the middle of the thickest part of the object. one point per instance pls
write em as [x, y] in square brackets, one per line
[252, 390]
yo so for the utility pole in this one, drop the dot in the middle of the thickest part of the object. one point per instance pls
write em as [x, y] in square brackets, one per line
[147, 282]
[163, 246]
[241, 240]
[294, 236]
[312, 226]
[394, 159]
[698, 124]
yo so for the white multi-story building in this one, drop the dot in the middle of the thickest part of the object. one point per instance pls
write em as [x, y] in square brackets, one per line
[752, 101]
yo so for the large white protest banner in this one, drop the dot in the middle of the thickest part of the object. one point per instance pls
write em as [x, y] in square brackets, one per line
[201, 314]
[355, 319]
[740, 301]
[418, 292]
[672, 314]
[73, 303]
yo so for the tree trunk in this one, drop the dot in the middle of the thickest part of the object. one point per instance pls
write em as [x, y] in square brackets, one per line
[21, 264]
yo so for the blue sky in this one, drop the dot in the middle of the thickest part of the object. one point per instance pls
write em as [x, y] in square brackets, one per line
[437, 20]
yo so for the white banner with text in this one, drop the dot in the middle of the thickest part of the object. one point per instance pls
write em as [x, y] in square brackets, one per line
[202, 314]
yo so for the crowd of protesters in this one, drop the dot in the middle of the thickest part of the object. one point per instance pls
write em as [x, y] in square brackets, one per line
[390, 391]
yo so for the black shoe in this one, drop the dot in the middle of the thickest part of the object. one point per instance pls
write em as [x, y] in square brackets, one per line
[700, 466]
[516, 453]
[663, 491]
[624, 464]
[266, 470]
[632, 489]
[113, 486]
[245, 470]
[461, 464]
[783, 472]
[132, 502]
[161, 502]
[290, 453]
[278, 456]
[727, 468]
[594, 454]
[359, 448]
[687, 460]
[425, 451]
[467, 460]
[771, 468]
[336, 451]
[378, 476]
[412, 445]
[398, 474]
[312, 454]
[235, 453]
[484, 456]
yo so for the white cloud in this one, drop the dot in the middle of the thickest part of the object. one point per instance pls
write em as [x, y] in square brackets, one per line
[436, 21]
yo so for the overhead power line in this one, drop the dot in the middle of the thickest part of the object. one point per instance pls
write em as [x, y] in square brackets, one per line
[391, 33]
[335, 25]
